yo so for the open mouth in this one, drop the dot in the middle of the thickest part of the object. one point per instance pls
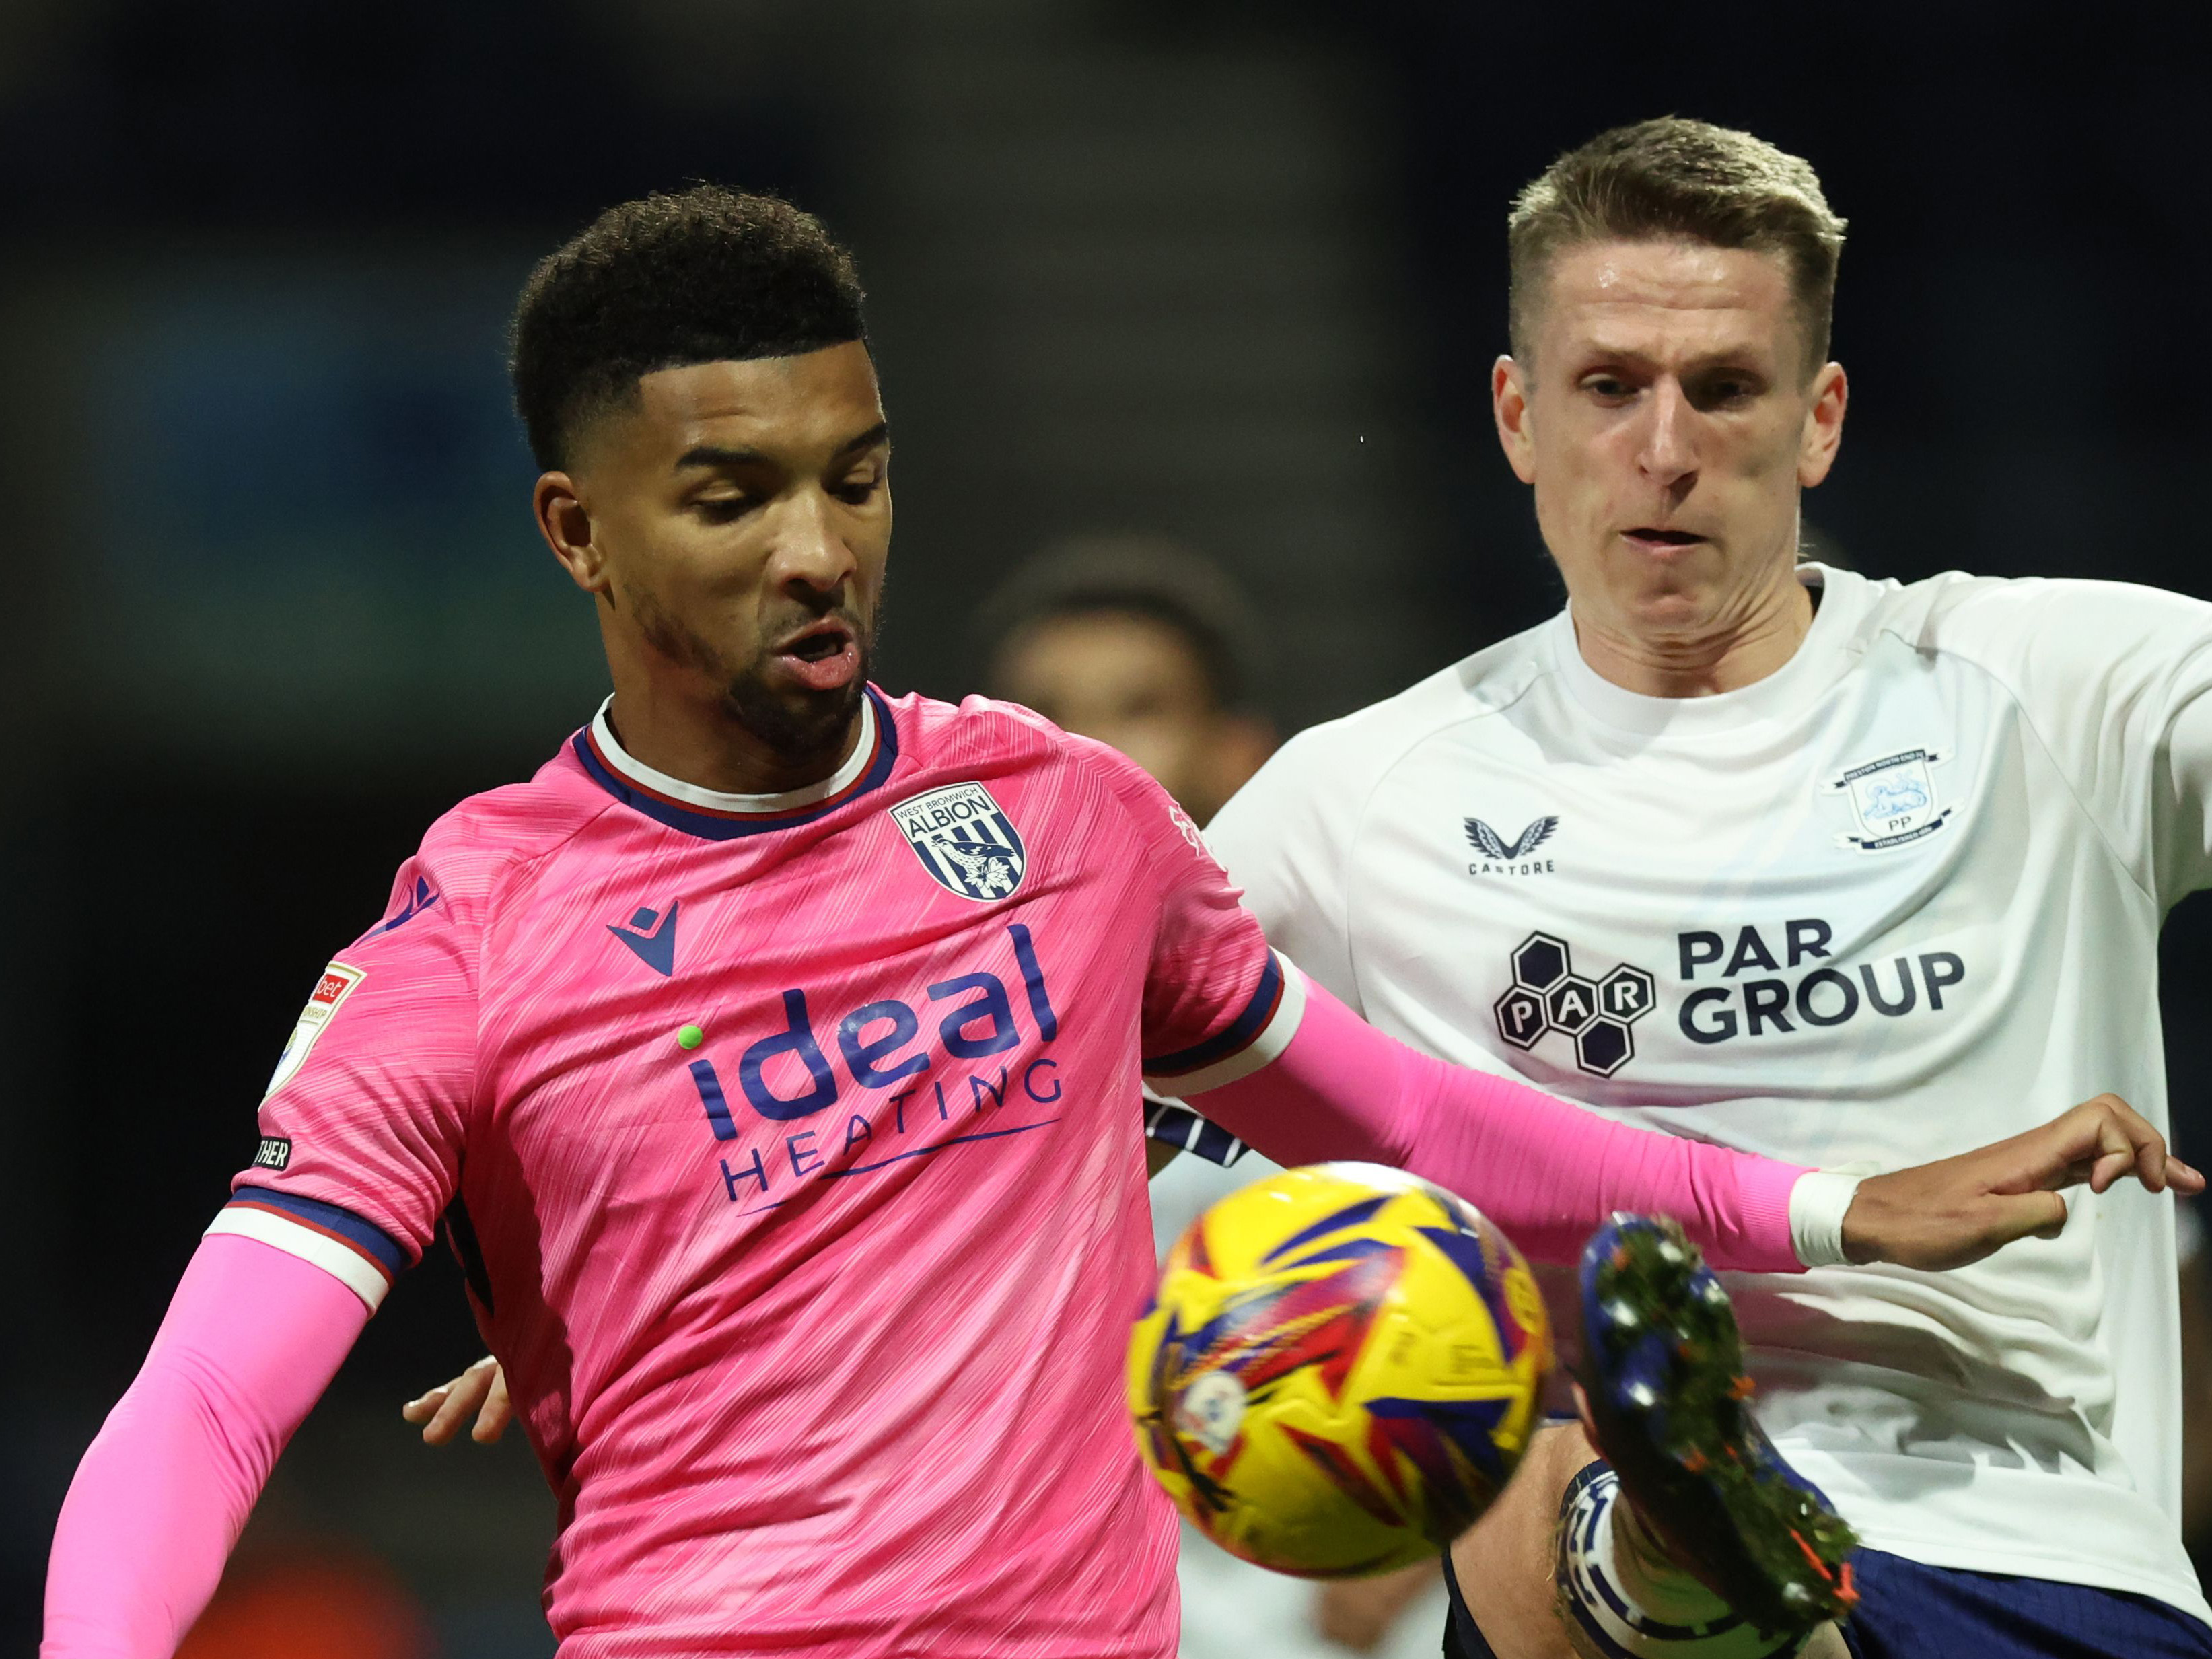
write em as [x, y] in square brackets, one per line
[1646, 536]
[823, 657]
[818, 643]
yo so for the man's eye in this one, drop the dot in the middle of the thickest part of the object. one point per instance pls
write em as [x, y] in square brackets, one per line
[721, 509]
[857, 492]
[1608, 387]
[1729, 392]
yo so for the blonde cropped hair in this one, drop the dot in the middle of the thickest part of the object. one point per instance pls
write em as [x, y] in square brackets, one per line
[1669, 180]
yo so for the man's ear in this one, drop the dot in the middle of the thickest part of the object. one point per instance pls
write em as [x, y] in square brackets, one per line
[1824, 425]
[566, 524]
[1508, 405]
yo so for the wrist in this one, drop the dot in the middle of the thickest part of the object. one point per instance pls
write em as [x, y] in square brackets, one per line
[1823, 1208]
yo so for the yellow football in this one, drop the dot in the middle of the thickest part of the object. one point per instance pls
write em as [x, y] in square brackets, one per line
[1339, 1370]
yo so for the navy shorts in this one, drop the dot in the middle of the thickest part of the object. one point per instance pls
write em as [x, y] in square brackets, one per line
[1908, 1610]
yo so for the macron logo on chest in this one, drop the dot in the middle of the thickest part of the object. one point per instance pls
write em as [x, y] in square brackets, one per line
[651, 937]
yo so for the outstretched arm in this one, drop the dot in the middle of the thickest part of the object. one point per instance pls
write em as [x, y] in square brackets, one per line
[1549, 1173]
[252, 1339]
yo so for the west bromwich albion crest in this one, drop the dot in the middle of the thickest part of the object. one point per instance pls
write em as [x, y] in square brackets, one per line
[964, 840]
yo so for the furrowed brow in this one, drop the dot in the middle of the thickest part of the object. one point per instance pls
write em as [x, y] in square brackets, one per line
[1732, 355]
[718, 455]
[879, 433]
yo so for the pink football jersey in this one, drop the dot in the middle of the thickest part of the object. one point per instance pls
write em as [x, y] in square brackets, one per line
[793, 1148]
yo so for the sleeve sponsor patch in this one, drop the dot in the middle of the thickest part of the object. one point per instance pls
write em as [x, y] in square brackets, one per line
[330, 992]
[275, 1153]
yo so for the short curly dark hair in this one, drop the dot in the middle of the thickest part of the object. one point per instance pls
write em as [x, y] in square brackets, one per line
[700, 276]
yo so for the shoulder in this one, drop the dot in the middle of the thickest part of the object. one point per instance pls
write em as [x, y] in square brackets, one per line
[975, 731]
[2000, 622]
[481, 840]
[986, 736]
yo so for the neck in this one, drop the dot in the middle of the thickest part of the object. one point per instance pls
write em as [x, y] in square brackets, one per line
[1753, 640]
[707, 745]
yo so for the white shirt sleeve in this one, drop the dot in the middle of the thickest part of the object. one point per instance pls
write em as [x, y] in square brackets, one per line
[1284, 838]
[2116, 680]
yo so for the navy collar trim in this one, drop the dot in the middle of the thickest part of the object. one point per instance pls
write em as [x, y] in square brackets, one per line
[719, 826]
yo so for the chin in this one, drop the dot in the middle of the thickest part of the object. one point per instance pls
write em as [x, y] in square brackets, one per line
[799, 726]
[1685, 614]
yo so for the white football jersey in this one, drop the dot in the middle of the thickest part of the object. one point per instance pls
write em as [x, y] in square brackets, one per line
[1897, 900]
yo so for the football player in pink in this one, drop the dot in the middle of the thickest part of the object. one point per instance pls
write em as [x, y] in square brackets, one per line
[773, 1057]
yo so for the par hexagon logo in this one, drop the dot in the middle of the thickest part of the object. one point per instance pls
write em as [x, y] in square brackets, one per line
[1548, 997]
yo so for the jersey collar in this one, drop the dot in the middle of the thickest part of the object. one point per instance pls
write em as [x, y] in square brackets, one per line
[717, 816]
[1779, 697]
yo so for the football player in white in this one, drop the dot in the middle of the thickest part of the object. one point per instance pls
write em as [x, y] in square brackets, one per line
[1820, 867]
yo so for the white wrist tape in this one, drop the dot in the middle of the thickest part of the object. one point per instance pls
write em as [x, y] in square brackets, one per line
[1817, 1206]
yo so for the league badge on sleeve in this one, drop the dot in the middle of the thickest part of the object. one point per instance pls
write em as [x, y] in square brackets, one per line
[335, 986]
[1894, 798]
[964, 840]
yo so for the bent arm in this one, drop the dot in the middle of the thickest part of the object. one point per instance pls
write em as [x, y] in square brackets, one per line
[1547, 1172]
[252, 1339]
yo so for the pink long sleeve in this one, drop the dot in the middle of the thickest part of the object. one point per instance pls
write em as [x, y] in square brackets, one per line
[252, 1339]
[1546, 1171]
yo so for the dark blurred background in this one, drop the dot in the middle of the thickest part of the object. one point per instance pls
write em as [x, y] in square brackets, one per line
[1229, 271]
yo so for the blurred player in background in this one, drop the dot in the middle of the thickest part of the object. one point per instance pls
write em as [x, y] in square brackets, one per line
[772, 1055]
[1788, 860]
[1148, 647]
[1145, 645]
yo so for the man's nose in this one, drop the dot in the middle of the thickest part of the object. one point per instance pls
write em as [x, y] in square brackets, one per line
[810, 551]
[1666, 453]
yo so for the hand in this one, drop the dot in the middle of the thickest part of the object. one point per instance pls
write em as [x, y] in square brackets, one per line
[1961, 1209]
[1357, 1613]
[481, 1389]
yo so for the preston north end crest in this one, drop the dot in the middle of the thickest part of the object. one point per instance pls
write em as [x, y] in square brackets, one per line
[1894, 798]
[964, 840]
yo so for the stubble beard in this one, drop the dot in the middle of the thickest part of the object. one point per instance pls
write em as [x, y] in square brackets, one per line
[800, 728]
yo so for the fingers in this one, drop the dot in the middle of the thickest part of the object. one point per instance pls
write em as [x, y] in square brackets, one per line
[2100, 1141]
[420, 1409]
[2129, 1143]
[2110, 1167]
[498, 1411]
[446, 1421]
[2026, 1215]
[2151, 1159]
[1961, 1209]
[443, 1410]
